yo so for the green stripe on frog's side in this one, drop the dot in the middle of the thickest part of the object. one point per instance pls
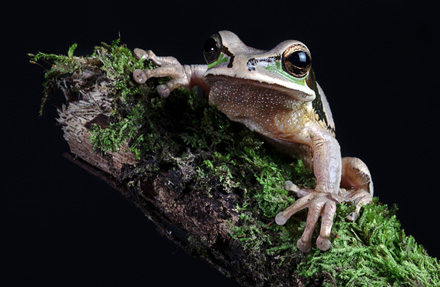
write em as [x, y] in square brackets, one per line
[275, 67]
[221, 59]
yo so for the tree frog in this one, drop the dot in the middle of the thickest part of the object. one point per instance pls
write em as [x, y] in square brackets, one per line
[275, 94]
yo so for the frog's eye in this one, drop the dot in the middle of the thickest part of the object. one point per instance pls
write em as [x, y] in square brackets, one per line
[297, 60]
[212, 48]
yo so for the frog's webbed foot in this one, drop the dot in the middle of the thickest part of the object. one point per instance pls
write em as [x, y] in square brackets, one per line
[167, 67]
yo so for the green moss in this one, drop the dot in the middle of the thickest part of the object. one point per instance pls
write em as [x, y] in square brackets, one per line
[111, 138]
[373, 251]
[118, 62]
[213, 154]
[59, 66]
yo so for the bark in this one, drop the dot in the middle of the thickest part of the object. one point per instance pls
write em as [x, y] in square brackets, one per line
[173, 196]
[196, 221]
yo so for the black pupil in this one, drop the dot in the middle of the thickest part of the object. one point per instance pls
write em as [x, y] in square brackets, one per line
[210, 45]
[299, 59]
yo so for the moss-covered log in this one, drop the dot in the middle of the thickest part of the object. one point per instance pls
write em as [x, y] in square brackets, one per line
[212, 186]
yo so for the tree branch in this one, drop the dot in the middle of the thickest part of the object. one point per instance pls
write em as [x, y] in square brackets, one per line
[212, 186]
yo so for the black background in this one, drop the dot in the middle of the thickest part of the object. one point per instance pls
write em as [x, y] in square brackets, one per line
[63, 227]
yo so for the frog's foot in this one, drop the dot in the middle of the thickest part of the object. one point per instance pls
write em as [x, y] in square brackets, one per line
[356, 184]
[168, 67]
[320, 204]
[360, 197]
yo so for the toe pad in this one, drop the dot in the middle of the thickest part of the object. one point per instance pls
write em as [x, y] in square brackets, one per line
[323, 243]
[280, 219]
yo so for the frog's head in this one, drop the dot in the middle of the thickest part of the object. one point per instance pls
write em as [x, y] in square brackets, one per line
[287, 67]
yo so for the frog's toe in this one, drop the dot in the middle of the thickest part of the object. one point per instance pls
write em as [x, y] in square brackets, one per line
[305, 247]
[315, 206]
[319, 205]
[163, 91]
[290, 186]
[352, 216]
[323, 243]
[282, 217]
[166, 89]
[359, 197]
[139, 76]
[140, 54]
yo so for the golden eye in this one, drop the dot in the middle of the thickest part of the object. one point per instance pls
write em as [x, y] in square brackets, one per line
[297, 60]
[212, 48]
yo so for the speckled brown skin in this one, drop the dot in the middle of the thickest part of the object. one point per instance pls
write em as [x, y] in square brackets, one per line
[283, 113]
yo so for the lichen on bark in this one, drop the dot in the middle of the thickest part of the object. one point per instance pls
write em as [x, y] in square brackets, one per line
[216, 184]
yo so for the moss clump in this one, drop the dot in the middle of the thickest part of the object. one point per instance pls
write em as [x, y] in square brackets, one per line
[118, 62]
[373, 251]
[111, 138]
[212, 154]
[62, 65]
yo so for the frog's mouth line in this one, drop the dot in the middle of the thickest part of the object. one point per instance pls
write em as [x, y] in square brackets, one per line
[229, 81]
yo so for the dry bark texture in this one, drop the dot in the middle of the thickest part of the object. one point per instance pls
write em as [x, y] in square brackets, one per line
[196, 221]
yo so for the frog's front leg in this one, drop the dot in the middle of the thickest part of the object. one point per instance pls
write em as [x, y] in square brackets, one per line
[186, 76]
[355, 186]
[321, 202]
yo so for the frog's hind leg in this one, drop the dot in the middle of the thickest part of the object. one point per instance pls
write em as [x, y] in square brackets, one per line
[357, 182]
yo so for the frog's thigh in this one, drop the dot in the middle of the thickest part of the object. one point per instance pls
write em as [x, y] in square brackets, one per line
[355, 175]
